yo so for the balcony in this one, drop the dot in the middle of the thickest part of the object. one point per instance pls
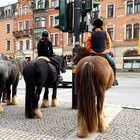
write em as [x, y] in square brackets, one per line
[24, 33]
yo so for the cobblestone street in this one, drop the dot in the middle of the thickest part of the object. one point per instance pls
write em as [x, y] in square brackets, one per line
[61, 123]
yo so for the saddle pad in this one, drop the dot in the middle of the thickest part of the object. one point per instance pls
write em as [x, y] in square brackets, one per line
[44, 58]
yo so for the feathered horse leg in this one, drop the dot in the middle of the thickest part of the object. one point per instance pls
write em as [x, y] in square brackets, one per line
[55, 102]
[102, 125]
[45, 102]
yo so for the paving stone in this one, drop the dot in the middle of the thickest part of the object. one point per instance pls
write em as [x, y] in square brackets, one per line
[125, 126]
[57, 123]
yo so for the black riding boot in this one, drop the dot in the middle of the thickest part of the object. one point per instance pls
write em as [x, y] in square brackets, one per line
[115, 80]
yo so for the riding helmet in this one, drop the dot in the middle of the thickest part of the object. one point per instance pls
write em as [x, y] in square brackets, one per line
[44, 34]
[98, 23]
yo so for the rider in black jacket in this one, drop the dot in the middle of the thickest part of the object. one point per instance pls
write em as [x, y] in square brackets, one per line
[44, 48]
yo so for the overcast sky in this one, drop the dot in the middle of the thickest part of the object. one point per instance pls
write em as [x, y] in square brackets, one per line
[6, 2]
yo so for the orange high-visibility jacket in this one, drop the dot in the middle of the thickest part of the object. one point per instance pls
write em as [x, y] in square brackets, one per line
[108, 43]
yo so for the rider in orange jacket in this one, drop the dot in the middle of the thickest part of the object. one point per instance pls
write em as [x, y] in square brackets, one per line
[100, 43]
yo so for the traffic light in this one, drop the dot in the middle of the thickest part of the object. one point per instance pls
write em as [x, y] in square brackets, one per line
[86, 7]
[65, 16]
[70, 17]
[62, 15]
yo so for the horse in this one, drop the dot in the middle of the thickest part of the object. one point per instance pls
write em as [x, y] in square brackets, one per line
[93, 76]
[37, 74]
[10, 71]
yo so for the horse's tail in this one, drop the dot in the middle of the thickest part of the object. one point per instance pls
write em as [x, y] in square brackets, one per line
[87, 112]
[28, 75]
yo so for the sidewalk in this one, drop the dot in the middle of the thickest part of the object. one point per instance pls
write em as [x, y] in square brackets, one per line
[57, 124]
[110, 111]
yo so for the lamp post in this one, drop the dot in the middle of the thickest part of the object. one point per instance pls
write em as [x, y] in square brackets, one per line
[77, 18]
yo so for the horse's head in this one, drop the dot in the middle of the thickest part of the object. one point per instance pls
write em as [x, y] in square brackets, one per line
[63, 64]
[62, 61]
[81, 53]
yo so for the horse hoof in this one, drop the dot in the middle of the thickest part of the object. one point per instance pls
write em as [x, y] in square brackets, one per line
[82, 134]
[104, 128]
[14, 102]
[55, 103]
[45, 103]
[4, 101]
[38, 113]
[1, 108]
[8, 102]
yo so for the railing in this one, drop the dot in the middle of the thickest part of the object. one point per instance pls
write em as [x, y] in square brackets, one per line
[26, 32]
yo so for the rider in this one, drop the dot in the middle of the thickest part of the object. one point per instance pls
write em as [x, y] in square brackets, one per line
[44, 48]
[100, 43]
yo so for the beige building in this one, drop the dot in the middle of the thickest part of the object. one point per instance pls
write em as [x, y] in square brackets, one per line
[122, 21]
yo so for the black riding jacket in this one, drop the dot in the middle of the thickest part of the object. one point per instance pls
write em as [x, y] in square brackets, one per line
[44, 48]
[98, 41]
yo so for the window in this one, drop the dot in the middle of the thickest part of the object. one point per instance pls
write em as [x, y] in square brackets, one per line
[39, 22]
[51, 38]
[42, 22]
[129, 7]
[27, 44]
[51, 21]
[54, 3]
[110, 11]
[8, 28]
[136, 30]
[24, 10]
[20, 26]
[27, 24]
[110, 31]
[137, 6]
[21, 46]
[8, 45]
[56, 40]
[70, 38]
[129, 31]
[40, 4]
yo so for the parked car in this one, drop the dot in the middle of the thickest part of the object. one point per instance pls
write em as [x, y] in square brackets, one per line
[67, 76]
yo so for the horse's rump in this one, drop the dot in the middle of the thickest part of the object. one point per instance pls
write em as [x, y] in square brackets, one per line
[38, 71]
[102, 70]
[93, 77]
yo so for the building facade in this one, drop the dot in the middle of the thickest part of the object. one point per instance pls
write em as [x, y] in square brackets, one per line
[23, 30]
[7, 40]
[122, 21]
[22, 24]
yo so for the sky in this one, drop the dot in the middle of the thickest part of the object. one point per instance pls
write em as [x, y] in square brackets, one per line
[6, 2]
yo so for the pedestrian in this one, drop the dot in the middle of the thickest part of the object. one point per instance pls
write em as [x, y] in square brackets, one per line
[99, 43]
[44, 48]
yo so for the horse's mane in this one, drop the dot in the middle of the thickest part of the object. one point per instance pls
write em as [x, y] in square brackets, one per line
[81, 52]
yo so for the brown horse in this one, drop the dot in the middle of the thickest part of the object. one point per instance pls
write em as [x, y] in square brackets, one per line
[93, 76]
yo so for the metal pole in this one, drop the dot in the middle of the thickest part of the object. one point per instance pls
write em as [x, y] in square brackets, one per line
[77, 18]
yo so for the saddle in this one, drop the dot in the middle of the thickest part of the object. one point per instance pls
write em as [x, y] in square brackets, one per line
[51, 66]
[44, 58]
